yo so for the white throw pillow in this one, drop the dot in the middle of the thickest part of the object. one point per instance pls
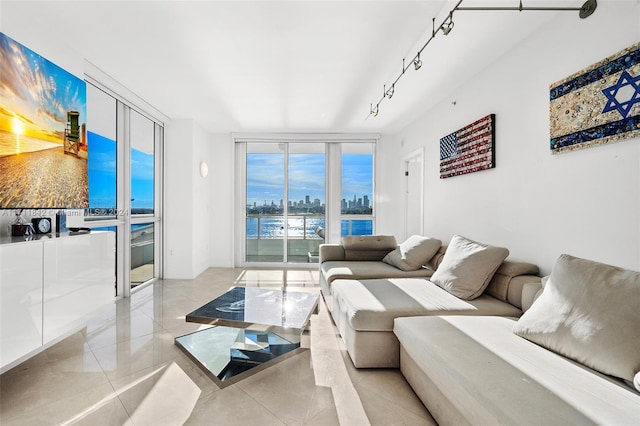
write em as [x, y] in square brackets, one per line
[413, 253]
[589, 312]
[467, 267]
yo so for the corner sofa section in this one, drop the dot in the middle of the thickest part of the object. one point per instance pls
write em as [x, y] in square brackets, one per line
[365, 294]
[572, 358]
[360, 257]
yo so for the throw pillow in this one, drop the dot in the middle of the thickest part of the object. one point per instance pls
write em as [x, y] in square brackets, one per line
[467, 267]
[413, 253]
[588, 312]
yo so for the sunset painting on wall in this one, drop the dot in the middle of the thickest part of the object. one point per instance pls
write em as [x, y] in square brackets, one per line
[43, 142]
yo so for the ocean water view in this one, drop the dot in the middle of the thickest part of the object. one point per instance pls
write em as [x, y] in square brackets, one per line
[299, 227]
[11, 144]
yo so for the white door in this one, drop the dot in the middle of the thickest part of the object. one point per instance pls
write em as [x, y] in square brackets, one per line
[414, 195]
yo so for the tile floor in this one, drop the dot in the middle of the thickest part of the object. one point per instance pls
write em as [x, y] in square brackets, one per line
[124, 368]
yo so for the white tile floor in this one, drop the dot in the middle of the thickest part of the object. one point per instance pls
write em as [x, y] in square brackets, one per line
[124, 368]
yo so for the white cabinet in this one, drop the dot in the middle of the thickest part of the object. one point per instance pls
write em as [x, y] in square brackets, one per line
[49, 288]
[79, 277]
[20, 300]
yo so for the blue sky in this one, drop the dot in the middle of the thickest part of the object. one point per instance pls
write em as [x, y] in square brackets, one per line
[265, 177]
[102, 174]
[37, 93]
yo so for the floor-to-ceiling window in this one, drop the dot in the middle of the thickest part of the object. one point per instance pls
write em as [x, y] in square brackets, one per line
[287, 189]
[124, 186]
[265, 198]
[285, 201]
[356, 205]
[142, 197]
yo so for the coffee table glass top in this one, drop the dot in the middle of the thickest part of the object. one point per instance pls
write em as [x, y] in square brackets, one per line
[245, 306]
[255, 327]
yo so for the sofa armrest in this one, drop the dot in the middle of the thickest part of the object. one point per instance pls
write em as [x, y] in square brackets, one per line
[331, 252]
[530, 292]
[522, 290]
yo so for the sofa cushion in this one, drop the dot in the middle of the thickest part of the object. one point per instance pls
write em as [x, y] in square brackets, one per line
[494, 377]
[413, 253]
[372, 305]
[499, 285]
[588, 312]
[357, 269]
[467, 267]
[368, 247]
[435, 261]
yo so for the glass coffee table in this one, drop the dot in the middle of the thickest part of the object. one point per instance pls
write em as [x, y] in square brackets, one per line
[254, 328]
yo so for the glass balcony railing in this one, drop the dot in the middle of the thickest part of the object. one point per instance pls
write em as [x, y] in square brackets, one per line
[265, 234]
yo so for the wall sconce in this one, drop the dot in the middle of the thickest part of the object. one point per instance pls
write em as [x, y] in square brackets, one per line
[204, 169]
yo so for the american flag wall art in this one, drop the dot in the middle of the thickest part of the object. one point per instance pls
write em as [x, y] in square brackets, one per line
[597, 105]
[469, 149]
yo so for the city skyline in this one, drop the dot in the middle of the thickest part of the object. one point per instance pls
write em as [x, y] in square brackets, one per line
[265, 177]
[361, 205]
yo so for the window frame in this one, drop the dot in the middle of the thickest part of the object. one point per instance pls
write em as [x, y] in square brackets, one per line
[333, 182]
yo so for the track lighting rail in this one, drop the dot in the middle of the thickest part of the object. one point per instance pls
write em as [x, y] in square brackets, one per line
[447, 25]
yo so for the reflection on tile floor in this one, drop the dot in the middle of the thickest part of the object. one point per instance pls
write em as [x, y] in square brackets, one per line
[124, 369]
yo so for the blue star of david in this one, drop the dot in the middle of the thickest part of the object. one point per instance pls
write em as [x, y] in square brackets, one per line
[624, 107]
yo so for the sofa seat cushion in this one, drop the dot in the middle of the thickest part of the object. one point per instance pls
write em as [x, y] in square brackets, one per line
[344, 269]
[372, 305]
[496, 377]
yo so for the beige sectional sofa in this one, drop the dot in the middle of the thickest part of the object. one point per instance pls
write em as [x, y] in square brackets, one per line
[365, 296]
[511, 349]
[572, 358]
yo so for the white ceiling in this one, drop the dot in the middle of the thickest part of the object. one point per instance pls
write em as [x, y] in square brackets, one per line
[284, 66]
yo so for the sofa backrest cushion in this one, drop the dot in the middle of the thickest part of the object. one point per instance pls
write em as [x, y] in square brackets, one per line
[413, 253]
[368, 247]
[435, 261]
[588, 311]
[499, 285]
[467, 267]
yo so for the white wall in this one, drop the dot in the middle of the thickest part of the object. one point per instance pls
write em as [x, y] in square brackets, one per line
[196, 220]
[178, 199]
[202, 201]
[539, 205]
[221, 174]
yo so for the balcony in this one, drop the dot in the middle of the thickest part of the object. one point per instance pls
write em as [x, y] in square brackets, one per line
[265, 236]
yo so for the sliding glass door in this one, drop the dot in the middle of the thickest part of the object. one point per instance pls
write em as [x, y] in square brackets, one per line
[125, 160]
[265, 194]
[142, 198]
[306, 201]
[356, 205]
[285, 201]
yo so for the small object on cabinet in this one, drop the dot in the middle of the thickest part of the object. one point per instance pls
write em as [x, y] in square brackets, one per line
[42, 225]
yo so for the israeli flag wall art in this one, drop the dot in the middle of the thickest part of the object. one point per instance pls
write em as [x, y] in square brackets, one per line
[597, 105]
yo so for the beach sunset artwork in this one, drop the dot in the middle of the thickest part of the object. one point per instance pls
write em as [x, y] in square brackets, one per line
[43, 141]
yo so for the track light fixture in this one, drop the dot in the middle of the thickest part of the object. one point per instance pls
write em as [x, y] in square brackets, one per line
[446, 26]
[389, 92]
[417, 63]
